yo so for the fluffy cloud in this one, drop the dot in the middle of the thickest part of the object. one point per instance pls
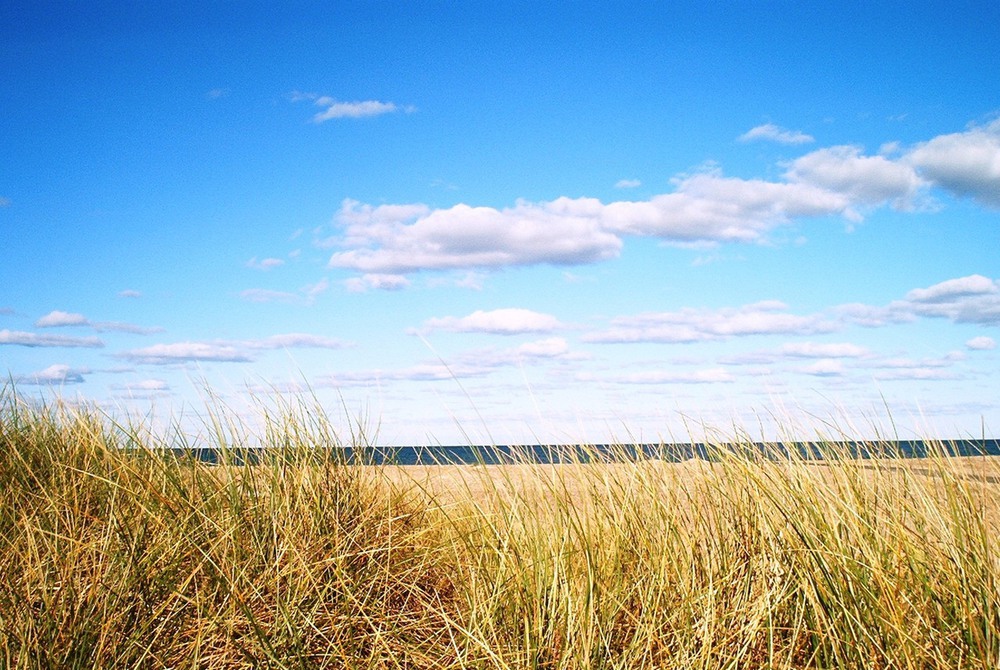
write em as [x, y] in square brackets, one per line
[966, 163]
[398, 239]
[338, 109]
[26, 339]
[58, 319]
[510, 321]
[699, 325]
[972, 299]
[703, 208]
[774, 133]
[981, 343]
[55, 375]
[869, 180]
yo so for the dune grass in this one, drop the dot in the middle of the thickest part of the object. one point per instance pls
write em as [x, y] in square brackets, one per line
[114, 553]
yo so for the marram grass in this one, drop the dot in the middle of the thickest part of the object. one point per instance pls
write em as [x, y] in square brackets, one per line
[115, 555]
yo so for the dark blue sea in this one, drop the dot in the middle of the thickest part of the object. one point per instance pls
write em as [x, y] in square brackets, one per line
[675, 452]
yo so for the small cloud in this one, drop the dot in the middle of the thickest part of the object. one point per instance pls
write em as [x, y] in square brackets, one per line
[981, 343]
[55, 375]
[338, 109]
[511, 321]
[186, 352]
[266, 295]
[57, 319]
[774, 133]
[628, 183]
[217, 93]
[148, 386]
[25, 339]
[130, 293]
[382, 282]
[824, 368]
[265, 263]
[4, 202]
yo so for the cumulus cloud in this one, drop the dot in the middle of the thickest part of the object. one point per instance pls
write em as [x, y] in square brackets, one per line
[971, 299]
[338, 109]
[703, 208]
[509, 321]
[226, 351]
[981, 343]
[398, 239]
[55, 375]
[26, 339]
[769, 131]
[966, 163]
[868, 180]
[57, 319]
[700, 325]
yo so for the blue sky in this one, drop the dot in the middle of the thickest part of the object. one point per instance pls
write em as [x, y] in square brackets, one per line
[508, 222]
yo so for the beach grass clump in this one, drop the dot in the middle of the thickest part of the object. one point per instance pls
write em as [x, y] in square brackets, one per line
[117, 552]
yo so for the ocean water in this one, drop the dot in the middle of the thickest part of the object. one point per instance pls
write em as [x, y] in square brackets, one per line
[509, 454]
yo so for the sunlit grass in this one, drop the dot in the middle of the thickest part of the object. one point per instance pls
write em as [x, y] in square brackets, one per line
[116, 553]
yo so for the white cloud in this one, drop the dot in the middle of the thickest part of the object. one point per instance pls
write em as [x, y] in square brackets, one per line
[710, 376]
[966, 163]
[130, 293]
[226, 351]
[824, 368]
[398, 239]
[954, 289]
[148, 385]
[981, 343]
[699, 325]
[264, 263]
[296, 340]
[57, 319]
[382, 282]
[306, 295]
[509, 321]
[972, 299]
[186, 352]
[870, 180]
[25, 339]
[708, 207]
[628, 183]
[769, 131]
[55, 374]
[819, 350]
